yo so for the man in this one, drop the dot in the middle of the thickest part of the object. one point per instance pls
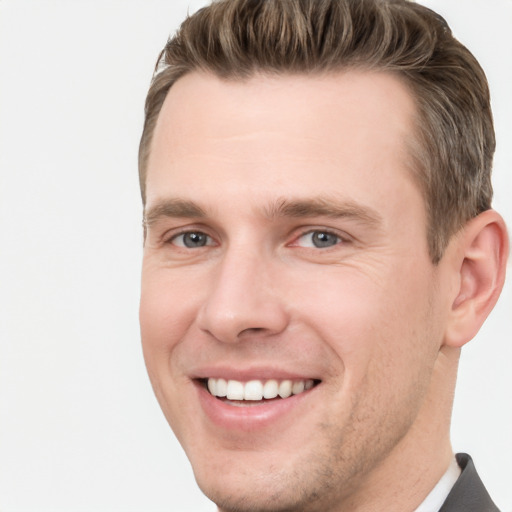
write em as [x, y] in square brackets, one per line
[319, 245]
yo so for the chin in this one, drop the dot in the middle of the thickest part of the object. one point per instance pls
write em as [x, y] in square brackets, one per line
[254, 493]
[269, 480]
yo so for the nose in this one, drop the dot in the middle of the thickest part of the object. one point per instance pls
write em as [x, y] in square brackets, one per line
[243, 299]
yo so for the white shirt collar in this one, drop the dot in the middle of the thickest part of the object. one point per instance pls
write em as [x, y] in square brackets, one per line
[434, 501]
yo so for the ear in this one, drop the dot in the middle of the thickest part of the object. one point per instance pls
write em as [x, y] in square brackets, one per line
[481, 258]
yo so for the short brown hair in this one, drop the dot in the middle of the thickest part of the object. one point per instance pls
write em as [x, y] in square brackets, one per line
[454, 142]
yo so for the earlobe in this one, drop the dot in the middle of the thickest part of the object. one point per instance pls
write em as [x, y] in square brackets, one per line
[482, 258]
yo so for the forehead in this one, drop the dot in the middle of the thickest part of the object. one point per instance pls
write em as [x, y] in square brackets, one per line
[284, 133]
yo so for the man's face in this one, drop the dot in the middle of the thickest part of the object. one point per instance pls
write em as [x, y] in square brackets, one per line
[286, 241]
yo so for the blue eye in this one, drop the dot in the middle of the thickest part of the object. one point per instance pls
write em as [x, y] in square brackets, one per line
[318, 239]
[192, 240]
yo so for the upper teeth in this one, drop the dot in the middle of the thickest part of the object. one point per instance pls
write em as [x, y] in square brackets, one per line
[257, 389]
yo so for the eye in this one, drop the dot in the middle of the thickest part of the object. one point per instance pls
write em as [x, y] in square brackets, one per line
[192, 240]
[318, 239]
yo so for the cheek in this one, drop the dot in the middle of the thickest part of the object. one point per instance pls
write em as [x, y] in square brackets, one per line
[166, 314]
[166, 310]
[367, 315]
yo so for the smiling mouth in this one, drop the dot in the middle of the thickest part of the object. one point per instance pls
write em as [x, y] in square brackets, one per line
[256, 392]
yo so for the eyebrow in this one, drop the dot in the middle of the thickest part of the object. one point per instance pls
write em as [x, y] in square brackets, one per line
[280, 208]
[324, 207]
[174, 207]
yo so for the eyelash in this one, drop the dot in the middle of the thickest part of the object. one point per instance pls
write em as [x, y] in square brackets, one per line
[171, 240]
[340, 239]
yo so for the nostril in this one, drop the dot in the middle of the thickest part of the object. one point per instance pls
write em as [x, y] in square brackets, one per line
[251, 330]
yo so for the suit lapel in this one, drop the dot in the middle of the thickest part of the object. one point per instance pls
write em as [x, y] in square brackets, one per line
[468, 494]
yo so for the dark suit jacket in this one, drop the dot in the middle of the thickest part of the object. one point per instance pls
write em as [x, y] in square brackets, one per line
[468, 494]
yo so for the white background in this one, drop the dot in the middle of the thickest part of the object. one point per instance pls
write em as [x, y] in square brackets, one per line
[80, 429]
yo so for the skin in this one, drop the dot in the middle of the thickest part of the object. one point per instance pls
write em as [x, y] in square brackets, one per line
[369, 316]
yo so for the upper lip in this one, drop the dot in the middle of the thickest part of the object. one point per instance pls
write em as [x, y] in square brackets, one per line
[251, 373]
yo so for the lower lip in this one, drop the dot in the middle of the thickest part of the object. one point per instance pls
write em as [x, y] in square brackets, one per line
[250, 417]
